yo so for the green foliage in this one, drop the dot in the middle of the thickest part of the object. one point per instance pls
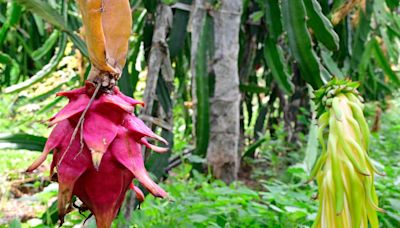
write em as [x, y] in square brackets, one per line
[202, 87]
[283, 45]
[178, 32]
[272, 18]
[15, 223]
[44, 10]
[274, 58]
[384, 150]
[287, 37]
[47, 46]
[22, 141]
[13, 14]
[44, 72]
[294, 18]
[321, 25]
[18, 162]
[202, 202]
[282, 201]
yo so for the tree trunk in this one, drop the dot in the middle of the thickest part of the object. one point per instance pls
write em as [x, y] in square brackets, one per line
[222, 150]
[222, 153]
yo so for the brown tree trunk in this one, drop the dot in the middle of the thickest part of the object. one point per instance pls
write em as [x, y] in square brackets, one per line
[222, 153]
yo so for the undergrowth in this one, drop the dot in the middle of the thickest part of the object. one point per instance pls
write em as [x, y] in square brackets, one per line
[281, 198]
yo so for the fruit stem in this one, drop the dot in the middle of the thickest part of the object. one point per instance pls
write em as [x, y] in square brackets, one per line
[106, 79]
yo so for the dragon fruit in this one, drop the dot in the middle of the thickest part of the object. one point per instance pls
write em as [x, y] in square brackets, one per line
[96, 144]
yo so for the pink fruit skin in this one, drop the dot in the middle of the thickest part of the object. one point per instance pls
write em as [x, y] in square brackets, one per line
[99, 164]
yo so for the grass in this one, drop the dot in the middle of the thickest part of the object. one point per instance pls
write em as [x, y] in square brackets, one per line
[15, 160]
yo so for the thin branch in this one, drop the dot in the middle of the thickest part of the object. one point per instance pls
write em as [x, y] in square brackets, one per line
[80, 125]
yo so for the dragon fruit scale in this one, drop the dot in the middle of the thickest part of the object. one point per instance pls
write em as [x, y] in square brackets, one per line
[96, 144]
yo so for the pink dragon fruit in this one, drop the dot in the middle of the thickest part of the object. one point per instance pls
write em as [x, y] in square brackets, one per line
[96, 146]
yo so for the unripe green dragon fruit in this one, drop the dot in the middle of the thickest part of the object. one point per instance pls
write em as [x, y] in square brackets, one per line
[344, 171]
[96, 146]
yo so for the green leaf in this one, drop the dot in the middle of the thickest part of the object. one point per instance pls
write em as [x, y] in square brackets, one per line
[163, 94]
[40, 24]
[131, 77]
[321, 26]
[337, 4]
[392, 4]
[365, 60]
[49, 106]
[275, 208]
[273, 18]
[13, 64]
[345, 32]
[275, 61]
[252, 88]
[125, 83]
[45, 71]
[383, 62]
[15, 223]
[331, 65]
[202, 89]
[256, 16]
[260, 120]
[178, 32]
[42, 96]
[312, 146]
[23, 41]
[151, 5]
[13, 15]
[251, 149]
[395, 203]
[294, 18]
[22, 141]
[45, 11]
[361, 35]
[325, 5]
[50, 216]
[47, 46]
[79, 43]
[196, 159]
[393, 216]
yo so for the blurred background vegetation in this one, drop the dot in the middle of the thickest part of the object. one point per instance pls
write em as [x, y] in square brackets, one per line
[286, 50]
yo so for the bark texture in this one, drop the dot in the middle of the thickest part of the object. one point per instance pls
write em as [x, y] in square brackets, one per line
[222, 150]
[159, 59]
